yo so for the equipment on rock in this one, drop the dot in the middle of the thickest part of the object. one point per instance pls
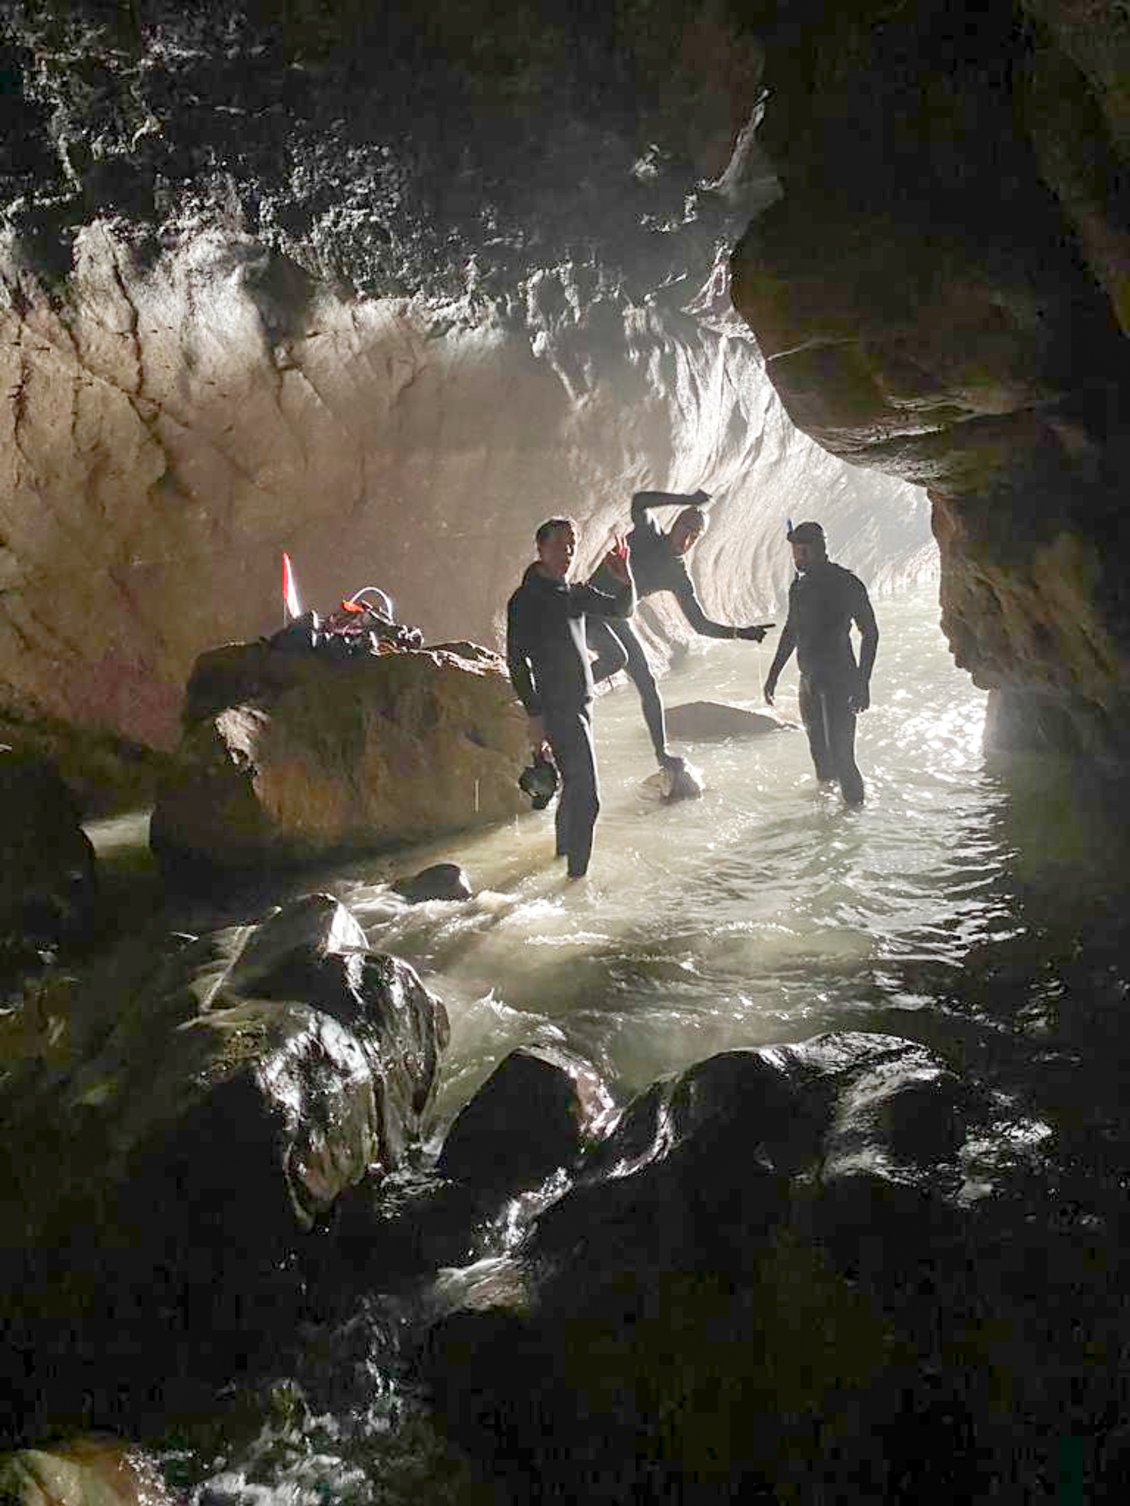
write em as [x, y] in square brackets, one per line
[351, 603]
[539, 781]
[363, 624]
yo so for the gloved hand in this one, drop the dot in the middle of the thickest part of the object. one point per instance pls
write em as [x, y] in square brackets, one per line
[700, 497]
[754, 633]
[859, 700]
[770, 689]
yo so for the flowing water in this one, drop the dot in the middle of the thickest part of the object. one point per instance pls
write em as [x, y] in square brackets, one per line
[764, 911]
[960, 904]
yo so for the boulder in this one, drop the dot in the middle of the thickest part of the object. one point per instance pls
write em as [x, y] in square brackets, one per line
[534, 1114]
[286, 758]
[756, 1277]
[440, 881]
[677, 780]
[81, 1472]
[47, 867]
[714, 721]
[216, 1100]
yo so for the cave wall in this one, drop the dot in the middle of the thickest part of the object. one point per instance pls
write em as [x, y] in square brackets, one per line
[941, 291]
[165, 440]
[384, 292]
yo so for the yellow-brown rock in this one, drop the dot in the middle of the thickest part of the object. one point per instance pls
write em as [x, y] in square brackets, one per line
[286, 757]
[82, 1472]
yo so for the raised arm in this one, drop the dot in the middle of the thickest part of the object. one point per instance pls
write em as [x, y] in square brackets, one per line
[643, 502]
[618, 603]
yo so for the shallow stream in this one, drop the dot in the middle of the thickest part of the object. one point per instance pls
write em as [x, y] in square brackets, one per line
[976, 908]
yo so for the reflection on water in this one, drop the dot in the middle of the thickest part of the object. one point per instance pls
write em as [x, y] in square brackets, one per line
[979, 910]
[759, 913]
[765, 911]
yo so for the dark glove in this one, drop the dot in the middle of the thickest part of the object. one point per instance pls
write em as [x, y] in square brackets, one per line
[700, 498]
[754, 633]
[859, 700]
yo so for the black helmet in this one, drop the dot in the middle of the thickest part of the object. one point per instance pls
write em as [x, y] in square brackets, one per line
[806, 533]
[539, 781]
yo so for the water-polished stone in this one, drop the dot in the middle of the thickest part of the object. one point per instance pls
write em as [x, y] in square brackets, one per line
[747, 1281]
[439, 881]
[534, 1115]
[215, 1098]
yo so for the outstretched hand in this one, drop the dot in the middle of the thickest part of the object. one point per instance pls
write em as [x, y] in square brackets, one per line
[755, 632]
[700, 497]
[617, 560]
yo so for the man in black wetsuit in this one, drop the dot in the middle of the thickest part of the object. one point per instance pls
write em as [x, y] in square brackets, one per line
[824, 600]
[549, 667]
[657, 565]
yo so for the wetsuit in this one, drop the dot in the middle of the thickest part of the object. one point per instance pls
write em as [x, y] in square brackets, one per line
[549, 667]
[655, 568]
[824, 601]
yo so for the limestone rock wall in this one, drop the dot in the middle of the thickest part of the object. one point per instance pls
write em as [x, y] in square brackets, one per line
[968, 165]
[382, 286]
[164, 439]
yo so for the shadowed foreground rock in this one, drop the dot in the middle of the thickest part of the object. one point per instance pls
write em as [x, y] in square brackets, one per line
[47, 869]
[533, 1116]
[784, 1277]
[287, 758]
[209, 1106]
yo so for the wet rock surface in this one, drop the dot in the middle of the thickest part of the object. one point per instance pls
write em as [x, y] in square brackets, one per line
[48, 880]
[286, 757]
[82, 1472]
[208, 1106]
[780, 1273]
[384, 291]
[439, 881]
[533, 1116]
[969, 334]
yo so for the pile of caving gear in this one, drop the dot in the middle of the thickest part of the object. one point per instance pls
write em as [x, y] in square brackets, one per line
[363, 624]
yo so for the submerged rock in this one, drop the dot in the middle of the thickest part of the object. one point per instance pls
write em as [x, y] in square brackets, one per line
[749, 1288]
[710, 721]
[286, 758]
[440, 881]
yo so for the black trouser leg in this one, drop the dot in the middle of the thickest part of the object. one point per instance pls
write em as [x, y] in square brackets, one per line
[604, 640]
[830, 725]
[813, 714]
[641, 676]
[841, 729]
[570, 737]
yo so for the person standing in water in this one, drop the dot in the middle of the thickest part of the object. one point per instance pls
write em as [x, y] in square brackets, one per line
[824, 600]
[550, 671]
[658, 564]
